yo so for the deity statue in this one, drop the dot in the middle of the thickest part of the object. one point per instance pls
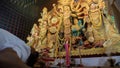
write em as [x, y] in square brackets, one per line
[52, 36]
[102, 30]
[67, 23]
[80, 24]
[43, 28]
[95, 15]
[58, 10]
[34, 38]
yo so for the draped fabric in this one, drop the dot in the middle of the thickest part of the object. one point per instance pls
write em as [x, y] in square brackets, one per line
[8, 40]
[67, 54]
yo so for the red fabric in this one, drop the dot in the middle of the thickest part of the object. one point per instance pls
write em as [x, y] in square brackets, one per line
[67, 54]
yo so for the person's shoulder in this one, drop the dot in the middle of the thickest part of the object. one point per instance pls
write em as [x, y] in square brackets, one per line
[2, 29]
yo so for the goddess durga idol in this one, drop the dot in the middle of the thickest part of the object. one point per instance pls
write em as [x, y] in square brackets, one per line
[82, 24]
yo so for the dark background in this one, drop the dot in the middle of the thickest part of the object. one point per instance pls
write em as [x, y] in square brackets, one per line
[18, 16]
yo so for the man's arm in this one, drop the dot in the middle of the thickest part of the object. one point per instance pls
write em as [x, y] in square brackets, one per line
[10, 59]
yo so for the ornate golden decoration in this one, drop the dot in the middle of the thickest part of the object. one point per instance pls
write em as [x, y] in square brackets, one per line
[92, 51]
[66, 22]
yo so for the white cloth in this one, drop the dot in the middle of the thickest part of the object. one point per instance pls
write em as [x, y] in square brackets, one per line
[8, 40]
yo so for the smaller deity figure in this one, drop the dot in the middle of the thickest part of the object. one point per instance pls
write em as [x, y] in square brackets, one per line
[77, 27]
[67, 23]
[89, 32]
[97, 25]
[77, 33]
[44, 13]
[43, 22]
[33, 40]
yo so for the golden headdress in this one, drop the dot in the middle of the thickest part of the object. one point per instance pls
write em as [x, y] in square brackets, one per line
[64, 2]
